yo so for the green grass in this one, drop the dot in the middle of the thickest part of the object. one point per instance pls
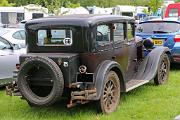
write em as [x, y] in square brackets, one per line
[148, 102]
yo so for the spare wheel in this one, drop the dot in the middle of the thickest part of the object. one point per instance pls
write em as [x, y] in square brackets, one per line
[40, 81]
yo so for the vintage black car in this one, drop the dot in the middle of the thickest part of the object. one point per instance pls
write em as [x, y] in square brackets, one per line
[87, 58]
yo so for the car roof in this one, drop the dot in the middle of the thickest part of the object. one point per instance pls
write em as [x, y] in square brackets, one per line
[13, 29]
[4, 31]
[76, 20]
[170, 19]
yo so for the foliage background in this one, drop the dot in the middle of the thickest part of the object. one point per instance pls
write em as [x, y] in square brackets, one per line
[53, 5]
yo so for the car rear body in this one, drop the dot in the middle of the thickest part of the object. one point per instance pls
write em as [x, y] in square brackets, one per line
[163, 33]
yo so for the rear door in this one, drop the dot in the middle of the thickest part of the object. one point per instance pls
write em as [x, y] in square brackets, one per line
[121, 45]
[124, 48]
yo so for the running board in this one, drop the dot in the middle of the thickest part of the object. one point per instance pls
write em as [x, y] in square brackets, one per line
[132, 84]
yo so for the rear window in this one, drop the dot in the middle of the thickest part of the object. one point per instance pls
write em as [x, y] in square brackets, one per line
[158, 27]
[55, 37]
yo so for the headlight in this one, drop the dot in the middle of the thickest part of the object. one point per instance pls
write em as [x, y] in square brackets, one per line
[148, 43]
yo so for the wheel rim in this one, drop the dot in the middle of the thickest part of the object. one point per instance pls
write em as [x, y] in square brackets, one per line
[44, 80]
[163, 72]
[110, 95]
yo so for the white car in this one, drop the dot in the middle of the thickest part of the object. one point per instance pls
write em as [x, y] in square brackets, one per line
[14, 35]
[9, 57]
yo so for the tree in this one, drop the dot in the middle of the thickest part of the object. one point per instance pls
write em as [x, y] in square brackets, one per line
[5, 3]
[72, 5]
[155, 4]
[21, 2]
[53, 6]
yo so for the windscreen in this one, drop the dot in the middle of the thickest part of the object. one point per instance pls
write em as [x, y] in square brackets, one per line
[55, 37]
[158, 27]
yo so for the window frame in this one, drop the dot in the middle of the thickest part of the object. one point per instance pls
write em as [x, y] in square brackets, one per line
[104, 46]
[124, 26]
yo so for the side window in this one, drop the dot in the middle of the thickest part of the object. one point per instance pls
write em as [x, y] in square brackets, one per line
[4, 44]
[103, 34]
[130, 34]
[41, 37]
[118, 32]
[23, 35]
[17, 35]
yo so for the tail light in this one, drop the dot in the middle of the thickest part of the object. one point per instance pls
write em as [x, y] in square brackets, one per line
[177, 38]
[82, 69]
[18, 66]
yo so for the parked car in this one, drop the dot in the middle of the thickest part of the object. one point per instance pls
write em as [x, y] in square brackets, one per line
[163, 32]
[14, 35]
[173, 10]
[21, 25]
[9, 57]
[86, 58]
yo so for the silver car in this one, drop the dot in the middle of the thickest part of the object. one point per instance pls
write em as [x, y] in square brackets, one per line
[14, 35]
[9, 57]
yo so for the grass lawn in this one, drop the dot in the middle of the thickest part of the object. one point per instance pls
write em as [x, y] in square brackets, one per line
[147, 102]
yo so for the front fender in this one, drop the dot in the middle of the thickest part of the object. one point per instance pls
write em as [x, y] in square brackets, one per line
[148, 68]
[102, 72]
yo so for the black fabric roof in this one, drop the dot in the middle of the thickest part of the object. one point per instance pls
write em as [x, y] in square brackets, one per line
[75, 20]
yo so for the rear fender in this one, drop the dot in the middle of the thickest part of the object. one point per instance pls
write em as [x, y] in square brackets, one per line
[148, 68]
[101, 73]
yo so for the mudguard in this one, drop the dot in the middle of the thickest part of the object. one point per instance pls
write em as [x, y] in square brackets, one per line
[101, 73]
[148, 68]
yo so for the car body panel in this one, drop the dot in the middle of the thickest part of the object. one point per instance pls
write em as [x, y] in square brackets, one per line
[8, 59]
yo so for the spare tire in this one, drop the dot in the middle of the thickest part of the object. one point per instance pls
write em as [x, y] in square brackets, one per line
[40, 81]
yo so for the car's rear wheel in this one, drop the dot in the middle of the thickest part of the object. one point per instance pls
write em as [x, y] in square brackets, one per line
[163, 70]
[110, 97]
[40, 81]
